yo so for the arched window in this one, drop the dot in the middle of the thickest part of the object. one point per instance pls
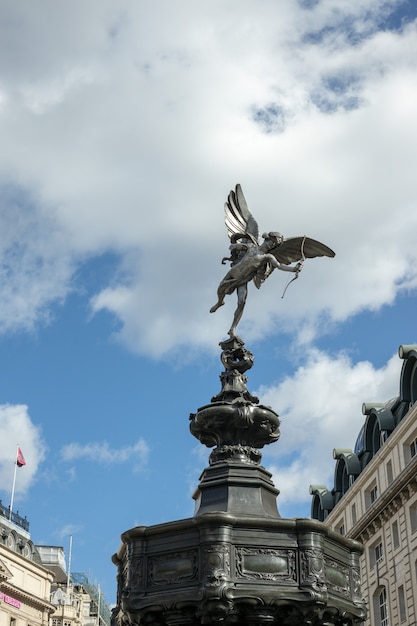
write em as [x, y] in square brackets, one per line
[381, 607]
[322, 502]
[375, 437]
[347, 468]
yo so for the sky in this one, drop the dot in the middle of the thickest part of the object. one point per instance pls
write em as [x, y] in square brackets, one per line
[123, 127]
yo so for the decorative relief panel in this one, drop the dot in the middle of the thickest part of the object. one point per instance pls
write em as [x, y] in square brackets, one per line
[171, 569]
[337, 577]
[215, 563]
[134, 574]
[266, 564]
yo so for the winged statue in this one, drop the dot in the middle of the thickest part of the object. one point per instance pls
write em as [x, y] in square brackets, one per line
[251, 260]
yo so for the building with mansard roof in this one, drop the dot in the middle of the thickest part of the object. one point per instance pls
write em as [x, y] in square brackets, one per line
[25, 585]
[374, 500]
[35, 586]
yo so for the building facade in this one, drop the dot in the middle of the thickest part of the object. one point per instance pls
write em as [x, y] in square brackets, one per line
[25, 585]
[374, 501]
[35, 587]
[76, 601]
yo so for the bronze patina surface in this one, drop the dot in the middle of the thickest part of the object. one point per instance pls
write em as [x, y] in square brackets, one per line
[237, 561]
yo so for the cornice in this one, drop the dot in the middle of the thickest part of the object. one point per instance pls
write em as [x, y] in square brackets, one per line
[27, 597]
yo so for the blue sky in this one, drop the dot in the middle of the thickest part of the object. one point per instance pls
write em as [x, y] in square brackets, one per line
[124, 125]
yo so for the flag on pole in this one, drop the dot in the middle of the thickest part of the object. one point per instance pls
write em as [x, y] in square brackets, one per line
[20, 462]
[20, 459]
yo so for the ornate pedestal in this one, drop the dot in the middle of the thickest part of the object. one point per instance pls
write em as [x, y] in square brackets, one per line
[236, 561]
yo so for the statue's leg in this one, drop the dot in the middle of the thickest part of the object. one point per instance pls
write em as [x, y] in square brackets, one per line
[221, 292]
[242, 293]
[226, 287]
[216, 306]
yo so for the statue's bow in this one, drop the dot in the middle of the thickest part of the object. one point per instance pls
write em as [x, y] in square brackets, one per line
[299, 268]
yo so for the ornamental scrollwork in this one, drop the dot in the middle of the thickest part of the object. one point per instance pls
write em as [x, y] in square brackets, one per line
[135, 572]
[356, 585]
[312, 569]
[215, 564]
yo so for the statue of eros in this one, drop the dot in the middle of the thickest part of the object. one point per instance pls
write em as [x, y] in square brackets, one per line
[251, 260]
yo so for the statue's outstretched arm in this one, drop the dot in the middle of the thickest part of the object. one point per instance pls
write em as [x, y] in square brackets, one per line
[281, 266]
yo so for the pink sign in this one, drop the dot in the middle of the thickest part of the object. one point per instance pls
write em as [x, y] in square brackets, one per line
[9, 600]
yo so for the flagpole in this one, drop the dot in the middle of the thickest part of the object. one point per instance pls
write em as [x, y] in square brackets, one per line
[69, 568]
[98, 606]
[14, 483]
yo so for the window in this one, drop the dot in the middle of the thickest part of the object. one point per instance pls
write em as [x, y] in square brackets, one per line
[390, 475]
[383, 436]
[371, 494]
[379, 552]
[376, 553]
[340, 526]
[395, 535]
[410, 449]
[12, 621]
[383, 609]
[354, 516]
[401, 604]
[413, 517]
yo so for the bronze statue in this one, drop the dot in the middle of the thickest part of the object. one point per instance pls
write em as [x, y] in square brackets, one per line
[251, 260]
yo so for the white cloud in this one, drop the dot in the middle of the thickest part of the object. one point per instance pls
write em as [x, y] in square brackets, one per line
[68, 530]
[320, 409]
[35, 262]
[129, 136]
[18, 429]
[102, 453]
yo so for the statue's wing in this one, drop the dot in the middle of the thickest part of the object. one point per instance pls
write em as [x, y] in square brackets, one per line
[238, 219]
[300, 248]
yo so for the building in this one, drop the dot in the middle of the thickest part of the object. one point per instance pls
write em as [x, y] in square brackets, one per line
[35, 587]
[374, 501]
[76, 601]
[25, 584]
